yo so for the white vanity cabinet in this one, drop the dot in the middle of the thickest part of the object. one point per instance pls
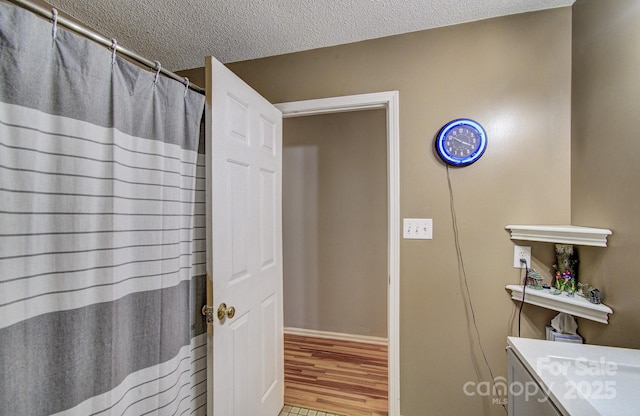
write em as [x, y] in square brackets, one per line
[562, 378]
[526, 396]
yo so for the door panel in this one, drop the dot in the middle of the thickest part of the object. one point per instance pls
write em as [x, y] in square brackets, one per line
[237, 195]
[269, 352]
[267, 218]
[244, 251]
[241, 370]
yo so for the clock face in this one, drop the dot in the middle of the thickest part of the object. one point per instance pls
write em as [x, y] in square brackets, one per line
[461, 142]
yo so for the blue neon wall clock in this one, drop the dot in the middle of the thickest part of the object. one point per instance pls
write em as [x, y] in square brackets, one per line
[461, 142]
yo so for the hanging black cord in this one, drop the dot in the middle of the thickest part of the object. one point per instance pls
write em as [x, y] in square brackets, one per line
[524, 287]
[454, 220]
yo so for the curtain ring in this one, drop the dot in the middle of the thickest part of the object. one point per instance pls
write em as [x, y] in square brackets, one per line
[159, 66]
[114, 46]
[186, 85]
[54, 17]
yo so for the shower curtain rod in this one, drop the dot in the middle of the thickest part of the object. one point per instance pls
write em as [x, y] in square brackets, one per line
[84, 31]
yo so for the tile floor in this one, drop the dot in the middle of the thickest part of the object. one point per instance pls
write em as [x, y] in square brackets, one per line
[300, 411]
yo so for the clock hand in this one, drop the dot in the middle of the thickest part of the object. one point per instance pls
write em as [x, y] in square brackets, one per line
[461, 141]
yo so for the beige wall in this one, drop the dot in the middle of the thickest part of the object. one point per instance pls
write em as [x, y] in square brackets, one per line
[513, 75]
[334, 195]
[606, 156]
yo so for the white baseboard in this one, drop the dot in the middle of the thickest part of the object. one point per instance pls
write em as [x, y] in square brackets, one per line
[336, 335]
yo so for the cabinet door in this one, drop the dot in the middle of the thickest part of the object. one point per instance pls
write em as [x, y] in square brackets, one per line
[526, 397]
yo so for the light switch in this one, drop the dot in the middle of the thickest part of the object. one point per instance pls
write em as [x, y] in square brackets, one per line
[418, 228]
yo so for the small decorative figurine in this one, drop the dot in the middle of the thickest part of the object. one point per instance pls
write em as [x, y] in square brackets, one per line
[566, 269]
[595, 296]
[584, 290]
[566, 259]
[534, 279]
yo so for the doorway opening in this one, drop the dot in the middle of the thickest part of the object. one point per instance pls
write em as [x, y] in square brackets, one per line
[334, 222]
[387, 101]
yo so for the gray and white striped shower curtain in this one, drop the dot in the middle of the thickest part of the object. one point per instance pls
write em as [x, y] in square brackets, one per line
[102, 251]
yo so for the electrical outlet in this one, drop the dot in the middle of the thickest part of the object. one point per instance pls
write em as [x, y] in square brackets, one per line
[521, 252]
[418, 228]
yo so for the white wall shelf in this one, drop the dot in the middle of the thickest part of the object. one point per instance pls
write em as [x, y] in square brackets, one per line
[561, 234]
[577, 305]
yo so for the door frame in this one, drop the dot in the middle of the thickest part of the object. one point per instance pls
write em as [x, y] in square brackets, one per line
[388, 100]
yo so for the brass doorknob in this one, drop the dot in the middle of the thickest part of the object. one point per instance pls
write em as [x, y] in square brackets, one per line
[224, 311]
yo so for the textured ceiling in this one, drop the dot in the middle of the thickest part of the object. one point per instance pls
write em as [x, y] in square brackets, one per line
[180, 33]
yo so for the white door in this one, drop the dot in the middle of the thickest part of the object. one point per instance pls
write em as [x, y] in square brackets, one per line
[244, 247]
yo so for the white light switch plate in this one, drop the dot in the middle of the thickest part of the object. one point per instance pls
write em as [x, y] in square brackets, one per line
[417, 228]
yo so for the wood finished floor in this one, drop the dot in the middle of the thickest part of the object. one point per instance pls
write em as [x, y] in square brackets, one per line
[343, 377]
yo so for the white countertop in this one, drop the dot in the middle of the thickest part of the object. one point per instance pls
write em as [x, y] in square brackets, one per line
[583, 380]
